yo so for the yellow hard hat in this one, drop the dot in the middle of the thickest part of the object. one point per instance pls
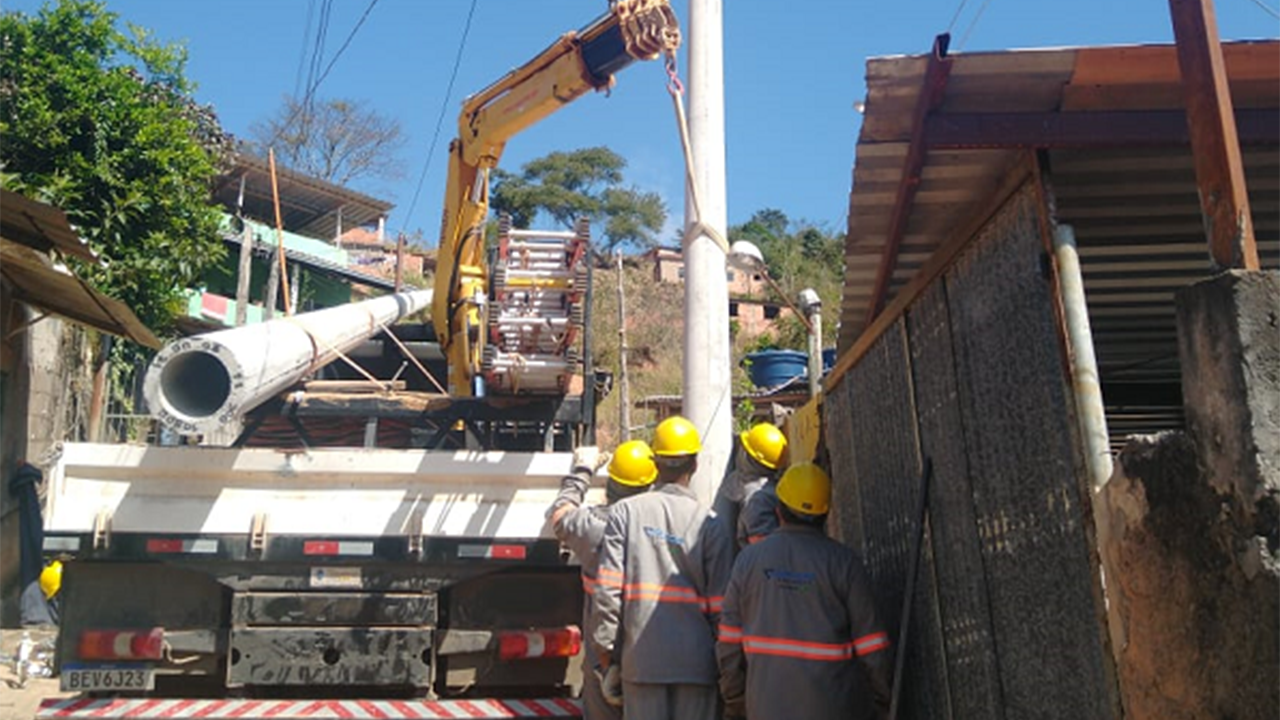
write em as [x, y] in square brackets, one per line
[806, 489]
[51, 579]
[632, 464]
[676, 436]
[766, 444]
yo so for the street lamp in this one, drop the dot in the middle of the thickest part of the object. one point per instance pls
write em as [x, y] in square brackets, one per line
[746, 257]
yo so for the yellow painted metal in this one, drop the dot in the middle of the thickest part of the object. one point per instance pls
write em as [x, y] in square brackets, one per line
[804, 431]
[555, 77]
[534, 282]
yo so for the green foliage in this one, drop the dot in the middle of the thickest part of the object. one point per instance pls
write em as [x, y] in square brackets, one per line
[101, 122]
[798, 255]
[565, 186]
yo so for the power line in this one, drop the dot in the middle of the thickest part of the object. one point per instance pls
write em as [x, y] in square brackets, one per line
[444, 106]
[972, 23]
[1270, 11]
[313, 86]
[302, 55]
[956, 17]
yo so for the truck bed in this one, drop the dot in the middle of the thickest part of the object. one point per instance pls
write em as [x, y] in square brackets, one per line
[333, 491]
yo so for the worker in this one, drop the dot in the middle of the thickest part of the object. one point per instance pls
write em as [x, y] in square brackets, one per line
[760, 457]
[799, 636]
[663, 565]
[581, 528]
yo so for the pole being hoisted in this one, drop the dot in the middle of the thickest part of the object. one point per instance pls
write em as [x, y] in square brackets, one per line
[708, 401]
[201, 383]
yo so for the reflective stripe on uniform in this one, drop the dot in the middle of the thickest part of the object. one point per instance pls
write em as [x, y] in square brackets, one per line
[788, 647]
[868, 644]
[730, 634]
[610, 578]
[671, 594]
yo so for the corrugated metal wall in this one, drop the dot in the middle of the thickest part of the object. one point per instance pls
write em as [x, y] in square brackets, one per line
[1006, 617]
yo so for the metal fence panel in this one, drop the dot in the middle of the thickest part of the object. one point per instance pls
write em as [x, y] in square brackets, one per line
[887, 469]
[963, 606]
[1029, 500]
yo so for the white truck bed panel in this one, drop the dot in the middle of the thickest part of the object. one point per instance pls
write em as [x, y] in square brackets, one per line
[326, 492]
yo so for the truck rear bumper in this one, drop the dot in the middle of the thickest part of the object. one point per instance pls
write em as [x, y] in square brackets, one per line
[76, 708]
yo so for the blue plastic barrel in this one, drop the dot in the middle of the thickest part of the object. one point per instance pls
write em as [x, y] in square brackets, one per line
[772, 368]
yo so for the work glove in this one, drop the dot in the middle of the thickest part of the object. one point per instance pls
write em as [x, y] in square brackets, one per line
[610, 684]
[589, 458]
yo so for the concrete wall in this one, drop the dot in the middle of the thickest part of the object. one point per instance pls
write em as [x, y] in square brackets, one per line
[1007, 617]
[1190, 522]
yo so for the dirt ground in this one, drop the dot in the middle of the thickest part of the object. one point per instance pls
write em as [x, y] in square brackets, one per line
[21, 703]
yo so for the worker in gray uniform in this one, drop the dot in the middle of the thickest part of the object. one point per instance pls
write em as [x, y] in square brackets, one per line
[763, 451]
[581, 529]
[799, 636]
[663, 565]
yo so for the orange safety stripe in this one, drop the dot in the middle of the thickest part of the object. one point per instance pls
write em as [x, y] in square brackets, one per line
[610, 578]
[789, 647]
[730, 634]
[671, 594]
[868, 644]
[753, 539]
[786, 647]
[589, 583]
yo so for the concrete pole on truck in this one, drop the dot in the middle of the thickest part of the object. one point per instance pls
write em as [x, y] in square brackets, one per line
[708, 400]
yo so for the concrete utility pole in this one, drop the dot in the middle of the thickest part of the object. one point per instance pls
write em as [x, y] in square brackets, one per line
[624, 388]
[708, 399]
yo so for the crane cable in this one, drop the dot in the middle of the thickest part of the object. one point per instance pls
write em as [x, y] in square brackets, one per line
[698, 227]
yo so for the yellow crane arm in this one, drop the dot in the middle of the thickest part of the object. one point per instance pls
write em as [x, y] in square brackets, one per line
[574, 64]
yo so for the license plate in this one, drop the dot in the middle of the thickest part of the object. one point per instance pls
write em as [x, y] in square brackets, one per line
[85, 678]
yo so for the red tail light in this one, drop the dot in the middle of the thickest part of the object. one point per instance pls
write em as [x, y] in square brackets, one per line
[122, 644]
[554, 642]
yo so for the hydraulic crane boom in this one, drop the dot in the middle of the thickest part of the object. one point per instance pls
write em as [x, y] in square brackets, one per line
[574, 64]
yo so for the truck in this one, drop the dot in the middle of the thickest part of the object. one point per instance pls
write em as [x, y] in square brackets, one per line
[369, 542]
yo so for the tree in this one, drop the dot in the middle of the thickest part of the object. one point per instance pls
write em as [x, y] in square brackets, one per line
[336, 140]
[582, 183]
[103, 124]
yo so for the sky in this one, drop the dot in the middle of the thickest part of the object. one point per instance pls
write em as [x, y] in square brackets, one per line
[794, 76]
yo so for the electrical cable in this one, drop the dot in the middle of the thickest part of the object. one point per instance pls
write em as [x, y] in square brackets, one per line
[444, 106]
[956, 17]
[1270, 11]
[302, 56]
[311, 90]
[972, 24]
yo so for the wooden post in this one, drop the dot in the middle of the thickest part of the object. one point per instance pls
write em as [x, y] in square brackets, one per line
[295, 283]
[275, 195]
[99, 399]
[624, 389]
[273, 288]
[1224, 200]
[399, 262]
[245, 271]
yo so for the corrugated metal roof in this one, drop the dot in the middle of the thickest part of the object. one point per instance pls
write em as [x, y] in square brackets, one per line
[308, 206]
[41, 226]
[36, 283]
[1121, 173]
[320, 264]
